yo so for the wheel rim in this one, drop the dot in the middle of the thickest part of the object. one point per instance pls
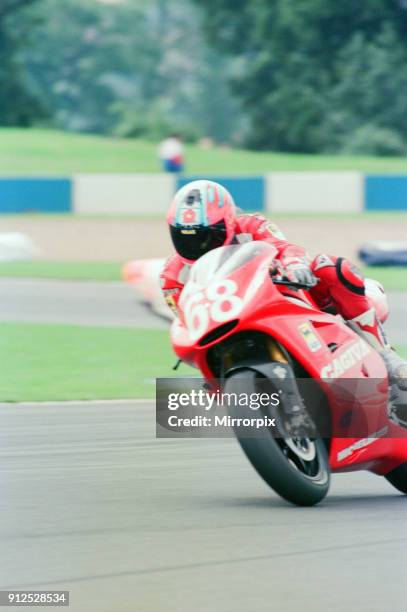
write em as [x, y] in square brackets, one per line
[303, 447]
[302, 455]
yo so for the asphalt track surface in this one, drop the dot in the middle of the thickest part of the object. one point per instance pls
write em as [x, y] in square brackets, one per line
[104, 304]
[114, 304]
[91, 502]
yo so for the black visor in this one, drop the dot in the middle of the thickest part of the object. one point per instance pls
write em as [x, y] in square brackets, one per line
[193, 241]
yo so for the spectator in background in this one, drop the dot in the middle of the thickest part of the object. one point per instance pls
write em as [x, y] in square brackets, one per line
[171, 153]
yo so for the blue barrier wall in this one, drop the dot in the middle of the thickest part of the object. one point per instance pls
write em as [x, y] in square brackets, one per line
[151, 193]
[35, 195]
[385, 192]
[248, 192]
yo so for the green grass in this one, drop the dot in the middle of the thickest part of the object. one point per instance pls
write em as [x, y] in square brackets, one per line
[63, 362]
[99, 271]
[393, 279]
[50, 152]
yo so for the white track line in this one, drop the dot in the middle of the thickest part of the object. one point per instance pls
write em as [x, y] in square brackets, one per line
[122, 402]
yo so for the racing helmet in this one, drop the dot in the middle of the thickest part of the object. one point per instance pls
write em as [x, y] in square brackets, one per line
[202, 217]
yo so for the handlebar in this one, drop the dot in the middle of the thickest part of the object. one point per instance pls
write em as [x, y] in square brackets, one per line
[295, 285]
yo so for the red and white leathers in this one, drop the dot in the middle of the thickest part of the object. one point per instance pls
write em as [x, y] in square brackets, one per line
[341, 287]
[362, 302]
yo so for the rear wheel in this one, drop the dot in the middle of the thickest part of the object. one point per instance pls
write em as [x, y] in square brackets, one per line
[295, 468]
[398, 478]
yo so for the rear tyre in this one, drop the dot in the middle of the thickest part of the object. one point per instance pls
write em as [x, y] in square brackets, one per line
[398, 478]
[297, 469]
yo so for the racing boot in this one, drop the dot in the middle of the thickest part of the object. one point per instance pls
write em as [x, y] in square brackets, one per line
[370, 329]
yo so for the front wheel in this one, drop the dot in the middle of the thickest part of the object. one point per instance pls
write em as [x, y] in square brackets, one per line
[295, 468]
[398, 478]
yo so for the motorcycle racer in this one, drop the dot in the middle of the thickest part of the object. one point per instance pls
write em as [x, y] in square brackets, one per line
[203, 216]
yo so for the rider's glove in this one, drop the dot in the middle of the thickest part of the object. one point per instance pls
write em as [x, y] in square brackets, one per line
[300, 272]
[297, 271]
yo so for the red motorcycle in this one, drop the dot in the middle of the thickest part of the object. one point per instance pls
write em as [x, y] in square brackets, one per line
[240, 325]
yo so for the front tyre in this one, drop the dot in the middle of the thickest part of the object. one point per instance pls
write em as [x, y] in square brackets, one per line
[398, 478]
[296, 469]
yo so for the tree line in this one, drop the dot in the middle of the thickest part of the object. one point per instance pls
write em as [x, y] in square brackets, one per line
[290, 75]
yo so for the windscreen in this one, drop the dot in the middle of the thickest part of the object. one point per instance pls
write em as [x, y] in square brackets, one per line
[221, 262]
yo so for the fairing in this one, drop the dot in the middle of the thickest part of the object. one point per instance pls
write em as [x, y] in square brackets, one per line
[232, 284]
